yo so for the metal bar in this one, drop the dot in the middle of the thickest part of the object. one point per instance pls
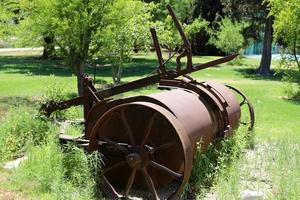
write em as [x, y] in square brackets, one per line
[92, 93]
[62, 105]
[156, 78]
[186, 41]
[158, 51]
[210, 64]
[129, 86]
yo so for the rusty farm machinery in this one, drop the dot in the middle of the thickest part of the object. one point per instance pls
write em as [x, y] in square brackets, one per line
[148, 142]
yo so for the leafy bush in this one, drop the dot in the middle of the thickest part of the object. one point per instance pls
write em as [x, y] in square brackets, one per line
[229, 38]
[291, 75]
[21, 127]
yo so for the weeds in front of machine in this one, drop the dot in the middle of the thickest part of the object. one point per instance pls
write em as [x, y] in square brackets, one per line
[22, 126]
[216, 161]
[51, 171]
[59, 172]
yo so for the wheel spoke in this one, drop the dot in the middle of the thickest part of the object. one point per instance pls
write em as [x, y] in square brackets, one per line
[150, 184]
[127, 127]
[165, 146]
[108, 188]
[165, 169]
[119, 164]
[148, 129]
[130, 181]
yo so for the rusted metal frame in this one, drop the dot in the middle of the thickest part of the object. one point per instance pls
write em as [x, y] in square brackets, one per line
[250, 106]
[156, 78]
[187, 44]
[49, 109]
[129, 86]
[224, 112]
[92, 94]
[158, 52]
[178, 62]
[89, 96]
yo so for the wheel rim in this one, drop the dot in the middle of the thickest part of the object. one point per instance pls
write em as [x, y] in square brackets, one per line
[148, 152]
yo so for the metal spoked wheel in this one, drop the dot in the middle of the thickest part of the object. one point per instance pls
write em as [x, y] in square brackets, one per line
[144, 154]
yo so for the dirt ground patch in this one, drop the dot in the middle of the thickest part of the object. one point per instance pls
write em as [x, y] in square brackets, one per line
[8, 195]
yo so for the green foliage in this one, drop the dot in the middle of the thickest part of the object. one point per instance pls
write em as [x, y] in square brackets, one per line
[21, 127]
[55, 92]
[229, 38]
[63, 175]
[286, 23]
[287, 31]
[285, 168]
[80, 168]
[8, 17]
[169, 36]
[216, 160]
[128, 24]
[183, 9]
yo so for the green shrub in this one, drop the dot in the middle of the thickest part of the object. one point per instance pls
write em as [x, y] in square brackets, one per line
[22, 126]
[291, 75]
[229, 38]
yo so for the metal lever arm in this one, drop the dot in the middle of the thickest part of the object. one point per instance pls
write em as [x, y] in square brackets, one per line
[162, 66]
[187, 44]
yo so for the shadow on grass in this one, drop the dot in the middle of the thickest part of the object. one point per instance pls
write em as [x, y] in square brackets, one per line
[295, 99]
[35, 66]
[32, 65]
[16, 101]
[251, 73]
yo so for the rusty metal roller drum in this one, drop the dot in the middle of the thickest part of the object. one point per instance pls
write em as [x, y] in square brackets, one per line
[156, 136]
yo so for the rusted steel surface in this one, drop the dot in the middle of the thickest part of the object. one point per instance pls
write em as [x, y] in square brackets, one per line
[148, 142]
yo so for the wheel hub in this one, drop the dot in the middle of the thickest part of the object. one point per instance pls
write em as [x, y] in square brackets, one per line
[134, 160]
[138, 158]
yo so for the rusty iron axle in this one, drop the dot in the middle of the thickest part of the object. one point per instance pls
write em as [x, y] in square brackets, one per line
[148, 142]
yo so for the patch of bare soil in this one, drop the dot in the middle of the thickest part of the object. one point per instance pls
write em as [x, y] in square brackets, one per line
[8, 195]
[254, 175]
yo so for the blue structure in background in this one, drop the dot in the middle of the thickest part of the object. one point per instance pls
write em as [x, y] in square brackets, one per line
[255, 48]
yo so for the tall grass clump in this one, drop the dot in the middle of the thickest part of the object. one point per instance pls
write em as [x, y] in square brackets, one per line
[59, 172]
[215, 161]
[285, 169]
[22, 126]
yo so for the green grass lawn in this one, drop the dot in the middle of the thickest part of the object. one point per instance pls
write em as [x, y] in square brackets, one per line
[23, 78]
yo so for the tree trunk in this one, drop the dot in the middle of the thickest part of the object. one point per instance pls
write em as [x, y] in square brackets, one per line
[79, 67]
[49, 49]
[295, 51]
[265, 63]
